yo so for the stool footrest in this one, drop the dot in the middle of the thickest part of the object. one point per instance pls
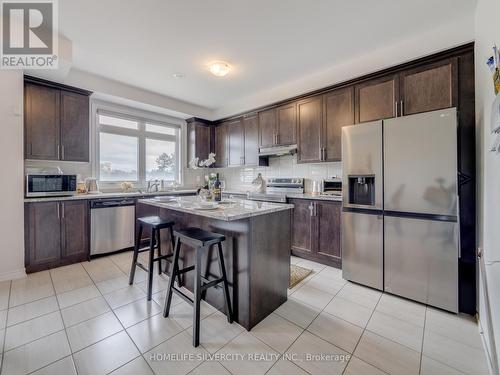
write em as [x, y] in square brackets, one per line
[183, 295]
[142, 267]
[147, 248]
[184, 270]
[211, 283]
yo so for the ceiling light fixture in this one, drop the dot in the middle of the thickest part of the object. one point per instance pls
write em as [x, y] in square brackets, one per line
[178, 75]
[219, 68]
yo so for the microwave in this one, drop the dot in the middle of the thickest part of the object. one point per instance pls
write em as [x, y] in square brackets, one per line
[332, 186]
[49, 185]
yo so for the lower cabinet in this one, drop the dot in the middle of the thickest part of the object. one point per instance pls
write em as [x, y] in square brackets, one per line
[56, 234]
[316, 231]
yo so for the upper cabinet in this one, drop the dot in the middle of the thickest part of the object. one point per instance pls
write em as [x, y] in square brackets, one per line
[198, 139]
[235, 143]
[377, 99]
[251, 139]
[221, 145]
[430, 87]
[56, 123]
[267, 127]
[310, 125]
[338, 111]
[286, 126]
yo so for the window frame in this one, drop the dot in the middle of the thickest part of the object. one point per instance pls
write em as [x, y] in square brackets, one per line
[141, 117]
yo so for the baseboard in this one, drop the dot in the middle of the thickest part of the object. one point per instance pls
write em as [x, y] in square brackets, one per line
[12, 275]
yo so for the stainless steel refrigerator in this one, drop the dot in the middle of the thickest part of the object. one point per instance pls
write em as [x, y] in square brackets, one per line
[400, 229]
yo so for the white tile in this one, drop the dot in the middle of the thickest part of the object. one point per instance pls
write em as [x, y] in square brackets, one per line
[333, 274]
[124, 296]
[350, 311]
[246, 344]
[337, 331]
[178, 345]
[32, 310]
[468, 359]
[297, 312]
[210, 368]
[69, 278]
[462, 328]
[387, 355]
[64, 366]
[160, 282]
[316, 267]
[159, 298]
[4, 294]
[182, 313]
[325, 284]
[358, 367]
[216, 331]
[96, 359]
[295, 260]
[36, 354]
[108, 286]
[3, 319]
[153, 331]
[136, 367]
[84, 311]
[285, 367]
[396, 330]
[430, 366]
[137, 311]
[361, 295]
[93, 330]
[77, 295]
[33, 329]
[35, 286]
[101, 269]
[310, 345]
[313, 297]
[277, 332]
[403, 309]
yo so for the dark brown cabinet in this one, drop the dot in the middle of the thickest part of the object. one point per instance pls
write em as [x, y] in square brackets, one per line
[309, 125]
[56, 233]
[198, 139]
[286, 127]
[316, 231]
[338, 111]
[267, 127]
[235, 143]
[430, 87]
[251, 141]
[376, 99]
[56, 123]
[221, 152]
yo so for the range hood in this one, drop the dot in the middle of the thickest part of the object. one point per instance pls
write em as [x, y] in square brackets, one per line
[278, 150]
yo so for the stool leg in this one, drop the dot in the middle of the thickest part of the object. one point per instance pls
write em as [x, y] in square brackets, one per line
[222, 269]
[151, 263]
[172, 240]
[159, 250]
[175, 267]
[197, 298]
[136, 254]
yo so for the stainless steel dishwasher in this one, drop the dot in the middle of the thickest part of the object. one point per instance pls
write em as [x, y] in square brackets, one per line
[112, 225]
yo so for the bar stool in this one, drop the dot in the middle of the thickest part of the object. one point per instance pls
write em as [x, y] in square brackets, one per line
[154, 224]
[200, 240]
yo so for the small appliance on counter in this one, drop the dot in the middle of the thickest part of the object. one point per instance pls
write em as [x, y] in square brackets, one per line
[331, 186]
[278, 188]
[50, 185]
[92, 185]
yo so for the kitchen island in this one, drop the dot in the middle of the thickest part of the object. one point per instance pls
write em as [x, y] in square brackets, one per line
[256, 251]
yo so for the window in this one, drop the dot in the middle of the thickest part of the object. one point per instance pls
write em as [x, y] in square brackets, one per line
[136, 148]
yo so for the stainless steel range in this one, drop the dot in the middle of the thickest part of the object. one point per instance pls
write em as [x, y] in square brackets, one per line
[278, 188]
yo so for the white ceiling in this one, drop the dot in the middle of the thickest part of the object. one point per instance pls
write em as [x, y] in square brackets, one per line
[270, 43]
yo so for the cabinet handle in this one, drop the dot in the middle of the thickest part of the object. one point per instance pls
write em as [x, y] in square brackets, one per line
[396, 109]
[59, 151]
[315, 209]
[58, 211]
[401, 108]
[311, 209]
[62, 210]
[62, 152]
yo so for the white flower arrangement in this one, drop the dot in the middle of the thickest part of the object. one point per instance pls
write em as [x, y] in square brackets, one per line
[196, 163]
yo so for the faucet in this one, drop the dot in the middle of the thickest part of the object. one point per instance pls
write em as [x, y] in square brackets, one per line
[152, 185]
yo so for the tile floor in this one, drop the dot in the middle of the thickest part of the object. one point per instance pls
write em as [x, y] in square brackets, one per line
[85, 319]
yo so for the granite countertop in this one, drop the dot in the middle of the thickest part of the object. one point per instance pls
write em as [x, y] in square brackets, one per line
[109, 195]
[238, 209]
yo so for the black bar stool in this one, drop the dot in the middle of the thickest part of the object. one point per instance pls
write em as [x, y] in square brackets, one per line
[200, 240]
[154, 224]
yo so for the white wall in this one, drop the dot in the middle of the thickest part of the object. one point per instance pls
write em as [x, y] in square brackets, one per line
[487, 33]
[11, 170]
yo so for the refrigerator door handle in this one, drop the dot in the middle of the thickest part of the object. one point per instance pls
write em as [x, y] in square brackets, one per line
[458, 228]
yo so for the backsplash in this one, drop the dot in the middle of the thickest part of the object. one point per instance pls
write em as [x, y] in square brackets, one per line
[239, 178]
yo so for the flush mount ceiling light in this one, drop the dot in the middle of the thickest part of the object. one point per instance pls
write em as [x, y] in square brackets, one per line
[219, 68]
[178, 75]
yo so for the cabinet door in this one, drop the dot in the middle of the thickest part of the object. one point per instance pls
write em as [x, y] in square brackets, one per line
[376, 99]
[287, 124]
[75, 230]
[251, 140]
[328, 230]
[41, 122]
[309, 123]
[338, 111]
[235, 142]
[221, 145]
[43, 235]
[302, 226]
[430, 87]
[267, 127]
[198, 141]
[74, 126]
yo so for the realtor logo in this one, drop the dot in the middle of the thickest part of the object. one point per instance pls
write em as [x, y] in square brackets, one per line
[29, 34]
